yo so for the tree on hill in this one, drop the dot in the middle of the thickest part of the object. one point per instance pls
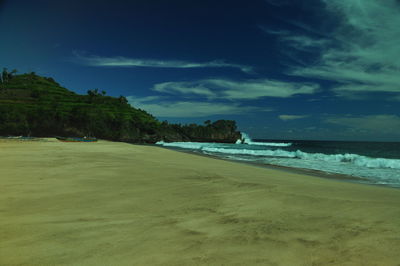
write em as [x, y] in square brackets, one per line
[122, 100]
[6, 76]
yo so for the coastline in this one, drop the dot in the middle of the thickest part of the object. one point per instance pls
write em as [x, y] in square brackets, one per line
[301, 171]
[116, 203]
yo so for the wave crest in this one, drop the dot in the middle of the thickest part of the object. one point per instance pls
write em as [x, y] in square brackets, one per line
[355, 159]
[245, 139]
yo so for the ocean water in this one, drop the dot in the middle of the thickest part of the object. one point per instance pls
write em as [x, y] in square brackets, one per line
[368, 162]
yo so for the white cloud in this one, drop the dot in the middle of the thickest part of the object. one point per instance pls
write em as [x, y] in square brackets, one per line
[299, 42]
[183, 87]
[120, 61]
[371, 124]
[237, 90]
[361, 53]
[303, 42]
[214, 93]
[160, 107]
[291, 117]
[208, 97]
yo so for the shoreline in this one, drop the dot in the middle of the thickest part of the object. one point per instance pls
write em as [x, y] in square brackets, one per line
[302, 171]
[110, 203]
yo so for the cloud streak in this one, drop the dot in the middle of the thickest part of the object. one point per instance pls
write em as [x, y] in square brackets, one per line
[162, 107]
[210, 97]
[236, 90]
[291, 117]
[119, 61]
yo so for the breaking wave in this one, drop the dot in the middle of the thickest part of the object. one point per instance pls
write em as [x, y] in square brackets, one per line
[245, 139]
[188, 145]
[355, 159]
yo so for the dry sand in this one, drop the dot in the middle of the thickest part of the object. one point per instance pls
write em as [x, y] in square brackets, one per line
[111, 203]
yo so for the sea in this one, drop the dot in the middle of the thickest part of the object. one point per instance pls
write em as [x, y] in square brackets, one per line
[376, 163]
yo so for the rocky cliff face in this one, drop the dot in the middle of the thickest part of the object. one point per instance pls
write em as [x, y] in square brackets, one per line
[222, 137]
[219, 131]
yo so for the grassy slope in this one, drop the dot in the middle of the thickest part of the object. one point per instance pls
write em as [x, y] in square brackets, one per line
[41, 102]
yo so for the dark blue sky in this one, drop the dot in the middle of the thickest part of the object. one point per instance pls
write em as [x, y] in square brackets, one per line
[287, 69]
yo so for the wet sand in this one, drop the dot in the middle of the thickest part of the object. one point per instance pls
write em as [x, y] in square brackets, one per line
[110, 203]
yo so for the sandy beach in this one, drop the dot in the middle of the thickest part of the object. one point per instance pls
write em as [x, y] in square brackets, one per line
[110, 203]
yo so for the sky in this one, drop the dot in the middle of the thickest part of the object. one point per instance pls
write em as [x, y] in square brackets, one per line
[283, 69]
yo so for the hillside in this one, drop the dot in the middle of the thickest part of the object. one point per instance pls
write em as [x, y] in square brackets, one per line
[31, 105]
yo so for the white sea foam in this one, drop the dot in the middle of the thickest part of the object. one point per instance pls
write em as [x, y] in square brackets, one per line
[273, 153]
[247, 140]
[355, 159]
[187, 145]
[271, 144]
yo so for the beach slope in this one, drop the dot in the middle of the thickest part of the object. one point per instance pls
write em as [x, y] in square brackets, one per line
[110, 203]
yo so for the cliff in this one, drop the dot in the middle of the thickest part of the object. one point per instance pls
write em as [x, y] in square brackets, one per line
[31, 105]
[218, 131]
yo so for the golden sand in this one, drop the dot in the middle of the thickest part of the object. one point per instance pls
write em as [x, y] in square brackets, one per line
[112, 203]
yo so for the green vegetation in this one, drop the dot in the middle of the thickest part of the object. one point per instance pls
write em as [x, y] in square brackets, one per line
[31, 105]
